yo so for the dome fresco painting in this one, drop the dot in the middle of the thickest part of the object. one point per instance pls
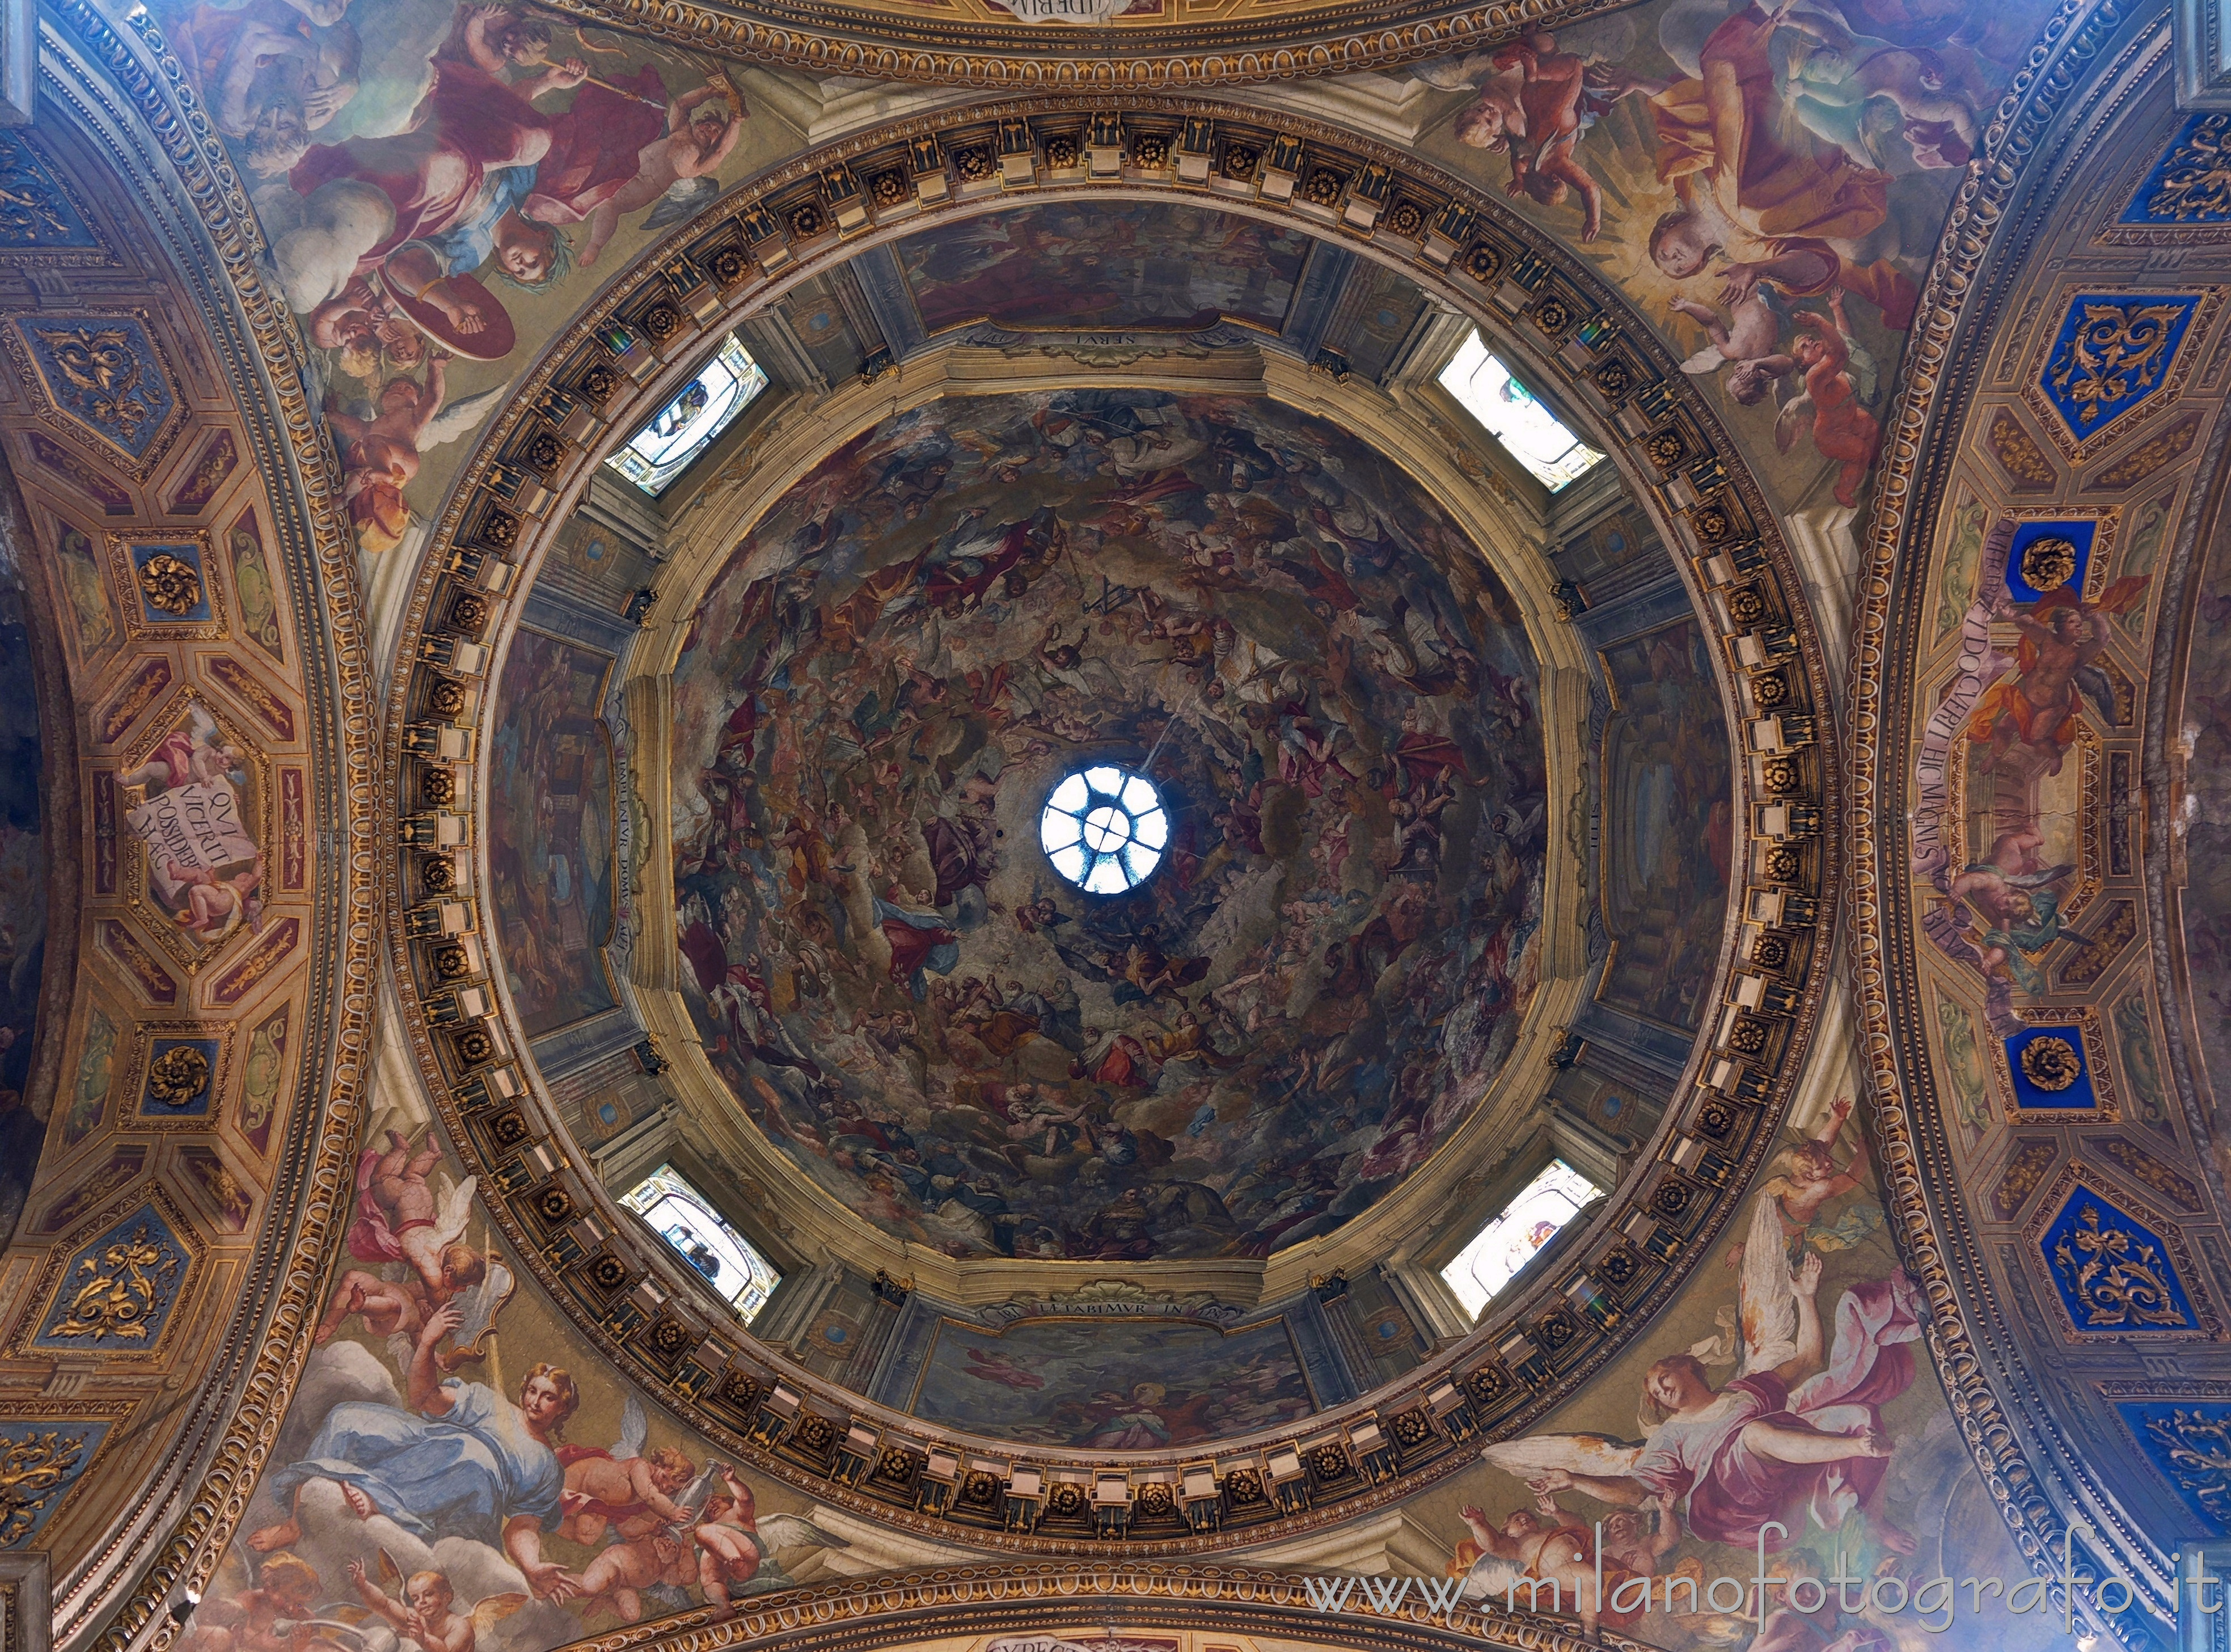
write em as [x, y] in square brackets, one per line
[1034, 824]
[905, 658]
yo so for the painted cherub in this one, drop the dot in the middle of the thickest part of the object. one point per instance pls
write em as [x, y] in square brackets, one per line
[727, 1539]
[702, 128]
[379, 455]
[1554, 1548]
[196, 755]
[615, 1580]
[399, 1307]
[1748, 339]
[427, 1613]
[1813, 1177]
[397, 1221]
[1843, 430]
[1542, 165]
[248, 1618]
[217, 906]
[604, 1490]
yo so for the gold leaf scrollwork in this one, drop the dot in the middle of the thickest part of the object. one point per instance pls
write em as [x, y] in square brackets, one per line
[122, 1291]
[30, 209]
[171, 584]
[2115, 1279]
[2118, 354]
[33, 1471]
[2198, 1449]
[101, 365]
[2051, 1064]
[2195, 176]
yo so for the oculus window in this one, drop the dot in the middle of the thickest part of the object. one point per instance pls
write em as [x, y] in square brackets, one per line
[685, 1219]
[1104, 829]
[1499, 1250]
[685, 427]
[1508, 411]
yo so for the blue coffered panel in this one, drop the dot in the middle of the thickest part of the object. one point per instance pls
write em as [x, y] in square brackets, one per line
[2113, 1271]
[2049, 556]
[2052, 1069]
[116, 1291]
[2112, 351]
[2191, 182]
[42, 1458]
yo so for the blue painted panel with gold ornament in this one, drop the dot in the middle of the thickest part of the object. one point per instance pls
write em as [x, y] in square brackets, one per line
[2052, 1069]
[2112, 352]
[2116, 1275]
[2049, 556]
[41, 1460]
[38, 212]
[181, 1077]
[104, 377]
[2190, 1441]
[2191, 182]
[117, 1289]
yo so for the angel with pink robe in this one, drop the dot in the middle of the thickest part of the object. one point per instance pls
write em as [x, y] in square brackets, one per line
[1780, 1441]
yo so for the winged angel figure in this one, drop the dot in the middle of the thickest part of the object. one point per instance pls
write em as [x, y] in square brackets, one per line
[381, 446]
[426, 1613]
[666, 1525]
[1797, 1430]
[415, 1229]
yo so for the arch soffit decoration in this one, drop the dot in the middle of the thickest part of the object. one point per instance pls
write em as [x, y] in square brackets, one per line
[1562, 324]
[165, 1526]
[1405, 1215]
[2050, 140]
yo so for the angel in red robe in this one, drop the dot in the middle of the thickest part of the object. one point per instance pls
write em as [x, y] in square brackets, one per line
[2035, 707]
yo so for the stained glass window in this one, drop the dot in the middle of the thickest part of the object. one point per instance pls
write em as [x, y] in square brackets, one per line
[685, 1219]
[685, 427]
[1531, 432]
[1507, 1244]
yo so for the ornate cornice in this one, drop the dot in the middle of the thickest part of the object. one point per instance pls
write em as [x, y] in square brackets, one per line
[2083, 67]
[902, 42]
[1556, 317]
[915, 1607]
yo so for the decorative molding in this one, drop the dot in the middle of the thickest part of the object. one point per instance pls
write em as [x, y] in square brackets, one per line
[1271, 42]
[918, 1608]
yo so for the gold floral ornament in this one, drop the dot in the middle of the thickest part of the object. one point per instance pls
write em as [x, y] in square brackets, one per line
[32, 1470]
[2051, 1064]
[2198, 1447]
[171, 584]
[118, 1297]
[2117, 355]
[31, 209]
[2195, 179]
[178, 1075]
[100, 364]
[2118, 1280]
[2048, 564]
